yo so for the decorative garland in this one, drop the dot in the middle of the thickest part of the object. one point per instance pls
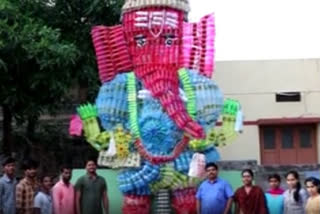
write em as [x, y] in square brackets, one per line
[162, 159]
[133, 117]
[133, 105]
[100, 140]
[190, 93]
[122, 139]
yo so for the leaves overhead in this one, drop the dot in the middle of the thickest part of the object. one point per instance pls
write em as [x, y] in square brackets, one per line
[45, 46]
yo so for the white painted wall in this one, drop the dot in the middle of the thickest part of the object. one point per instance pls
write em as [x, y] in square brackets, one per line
[254, 84]
[245, 147]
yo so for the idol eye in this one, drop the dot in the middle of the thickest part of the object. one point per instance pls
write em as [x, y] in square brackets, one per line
[169, 39]
[141, 40]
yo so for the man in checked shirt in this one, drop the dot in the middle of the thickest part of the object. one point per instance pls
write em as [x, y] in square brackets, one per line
[27, 188]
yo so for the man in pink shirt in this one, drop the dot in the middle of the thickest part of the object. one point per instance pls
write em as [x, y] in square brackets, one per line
[63, 193]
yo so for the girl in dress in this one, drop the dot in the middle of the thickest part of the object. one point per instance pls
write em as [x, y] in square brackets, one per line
[313, 203]
[274, 196]
[295, 197]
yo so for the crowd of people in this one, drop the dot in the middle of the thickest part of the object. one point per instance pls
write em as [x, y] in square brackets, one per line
[215, 195]
[89, 195]
[33, 196]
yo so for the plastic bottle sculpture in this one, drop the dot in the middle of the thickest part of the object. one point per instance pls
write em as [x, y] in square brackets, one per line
[157, 105]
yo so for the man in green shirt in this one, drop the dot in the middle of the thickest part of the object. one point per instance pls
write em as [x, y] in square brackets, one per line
[91, 191]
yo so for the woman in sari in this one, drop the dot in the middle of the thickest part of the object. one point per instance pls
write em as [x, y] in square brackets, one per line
[249, 199]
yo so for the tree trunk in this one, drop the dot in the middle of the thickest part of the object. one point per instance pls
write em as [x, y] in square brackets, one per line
[31, 150]
[31, 127]
[7, 141]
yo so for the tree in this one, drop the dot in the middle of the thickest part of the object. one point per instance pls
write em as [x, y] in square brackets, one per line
[34, 61]
[75, 18]
[45, 46]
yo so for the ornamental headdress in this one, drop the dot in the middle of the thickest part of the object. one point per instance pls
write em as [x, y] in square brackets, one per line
[131, 5]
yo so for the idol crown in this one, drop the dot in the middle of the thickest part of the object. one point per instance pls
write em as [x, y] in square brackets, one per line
[131, 5]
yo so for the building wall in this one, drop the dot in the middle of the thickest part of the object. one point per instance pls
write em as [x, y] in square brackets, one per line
[255, 83]
[245, 147]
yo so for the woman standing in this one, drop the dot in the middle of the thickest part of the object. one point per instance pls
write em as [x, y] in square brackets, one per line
[249, 199]
[274, 195]
[313, 203]
[295, 197]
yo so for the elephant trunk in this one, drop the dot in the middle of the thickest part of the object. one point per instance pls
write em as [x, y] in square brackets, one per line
[163, 83]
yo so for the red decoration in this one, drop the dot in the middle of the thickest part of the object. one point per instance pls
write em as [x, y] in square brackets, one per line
[133, 204]
[155, 43]
[111, 51]
[162, 159]
[198, 44]
[184, 201]
[75, 127]
[155, 46]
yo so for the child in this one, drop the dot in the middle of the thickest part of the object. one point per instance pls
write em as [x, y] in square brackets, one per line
[313, 203]
[43, 200]
[274, 196]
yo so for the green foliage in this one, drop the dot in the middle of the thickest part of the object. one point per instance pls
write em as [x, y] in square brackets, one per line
[75, 18]
[44, 46]
[35, 62]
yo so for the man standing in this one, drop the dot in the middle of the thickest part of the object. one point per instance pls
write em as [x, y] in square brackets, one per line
[214, 196]
[249, 199]
[63, 193]
[8, 184]
[91, 191]
[26, 189]
[43, 199]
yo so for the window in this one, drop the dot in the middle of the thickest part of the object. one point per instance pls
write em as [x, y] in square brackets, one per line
[287, 138]
[269, 138]
[288, 144]
[288, 97]
[305, 138]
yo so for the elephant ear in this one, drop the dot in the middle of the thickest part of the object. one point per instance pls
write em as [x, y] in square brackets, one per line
[111, 51]
[198, 45]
